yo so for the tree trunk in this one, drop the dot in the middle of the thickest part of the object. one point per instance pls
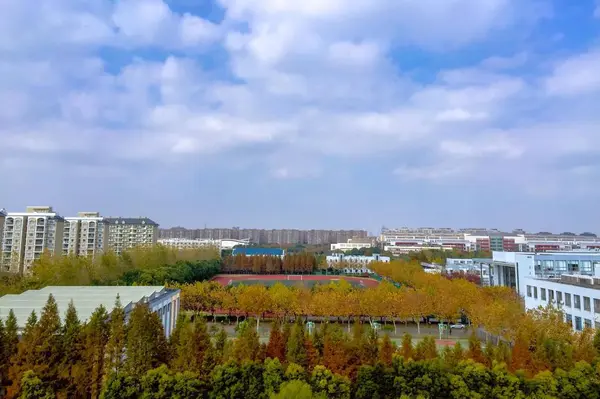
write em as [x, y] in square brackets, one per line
[419, 327]
[395, 328]
[257, 323]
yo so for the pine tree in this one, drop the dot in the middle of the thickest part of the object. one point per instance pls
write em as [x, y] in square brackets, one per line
[247, 345]
[115, 348]
[296, 352]
[33, 387]
[95, 338]
[72, 370]
[474, 352]
[387, 351]
[220, 346]
[457, 352]
[194, 352]
[312, 354]
[4, 355]
[276, 345]
[146, 346]
[12, 335]
[407, 351]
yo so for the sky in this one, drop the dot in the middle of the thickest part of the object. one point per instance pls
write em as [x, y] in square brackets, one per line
[304, 114]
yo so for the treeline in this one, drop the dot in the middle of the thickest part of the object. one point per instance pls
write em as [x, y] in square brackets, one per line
[107, 357]
[154, 265]
[298, 263]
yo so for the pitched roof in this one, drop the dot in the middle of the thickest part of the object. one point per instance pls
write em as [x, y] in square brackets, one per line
[140, 221]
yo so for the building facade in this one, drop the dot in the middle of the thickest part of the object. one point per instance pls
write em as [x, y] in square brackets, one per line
[2, 217]
[183, 243]
[127, 233]
[85, 234]
[351, 244]
[28, 235]
[354, 263]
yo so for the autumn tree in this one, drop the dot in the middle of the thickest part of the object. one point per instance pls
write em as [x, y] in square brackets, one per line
[146, 346]
[95, 338]
[72, 370]
[386, 351]
[296, 351]
[276, 347]
[115, 348]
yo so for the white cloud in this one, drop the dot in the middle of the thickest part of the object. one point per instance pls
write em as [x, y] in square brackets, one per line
[575, 75]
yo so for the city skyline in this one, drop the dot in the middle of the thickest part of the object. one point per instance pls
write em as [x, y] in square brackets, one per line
[312, 114]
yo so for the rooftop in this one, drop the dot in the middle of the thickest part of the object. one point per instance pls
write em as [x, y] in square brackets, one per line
[85, 298]
[138, 221]
[250, 251]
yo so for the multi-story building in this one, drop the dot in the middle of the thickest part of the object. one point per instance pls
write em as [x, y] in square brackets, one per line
[183, 243]
[568, 280]
[85, 234]
[354, 263]
[126, 233]
[27, 235]
[2, 217]
[352, 244]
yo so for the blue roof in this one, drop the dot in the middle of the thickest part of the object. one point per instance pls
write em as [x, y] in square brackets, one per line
[250, 251]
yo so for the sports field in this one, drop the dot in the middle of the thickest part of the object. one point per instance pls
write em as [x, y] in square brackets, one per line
[290, 280]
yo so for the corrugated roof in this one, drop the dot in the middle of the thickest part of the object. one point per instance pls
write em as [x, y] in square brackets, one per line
[258, 251]
[85, 298]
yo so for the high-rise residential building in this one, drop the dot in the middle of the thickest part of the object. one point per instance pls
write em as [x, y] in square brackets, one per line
[27, 235]
[126, 233]
[2, 217]
[85, 234]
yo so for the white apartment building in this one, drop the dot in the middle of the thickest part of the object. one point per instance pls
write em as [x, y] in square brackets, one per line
[184, 243]
[27, 235]
[126, 233]
[2, 217]
[85, 234]
[350, 245]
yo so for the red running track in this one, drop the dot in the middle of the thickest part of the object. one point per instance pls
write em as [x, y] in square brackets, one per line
[224, 279]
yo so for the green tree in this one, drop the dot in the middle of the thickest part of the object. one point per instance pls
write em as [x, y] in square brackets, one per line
[296, 351]
[194, 349]
[115, 347]
[220, 345]
[95, 338]
[146, 346]
[32, 387]
[334, 386]
[72, 370]
[295, 390]
[272, 375]
[122, 386]
[406, 350]
[247, 345]
[596, 341]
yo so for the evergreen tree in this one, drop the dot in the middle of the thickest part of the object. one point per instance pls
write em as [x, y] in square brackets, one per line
[272, 375]
[115, 347]
[387, 351]
[406, 350]
[474, 352]
[72, 371]
[146, 346]
[276, 345]
[95, 338]
[312, 354]
[596, 341]
[12, 335]
[33, 388]
[296, 352]
[194, 349]
[220, 345]
[247, 345]
[4, 355]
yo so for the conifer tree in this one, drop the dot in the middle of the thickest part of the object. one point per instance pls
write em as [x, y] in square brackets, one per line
[474, 352]
[115, 347]
[72, 372]
[406, 350]
[194, 349]
[312, 354]
[276, 345]
[220, 345]
[247, 345]
[387, 351]
[146, 346]
[94, 354]
[4, 355]
[296, 352]
[12, 335]
[457, 352]
[33, 387]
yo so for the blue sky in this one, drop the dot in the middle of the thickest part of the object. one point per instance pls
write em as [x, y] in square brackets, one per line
[311, 114]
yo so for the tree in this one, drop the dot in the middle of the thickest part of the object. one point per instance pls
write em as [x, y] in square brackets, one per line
[72, 370]
[32, 387]
[276, 346]
[95, 338]
[334, 386]
[295, 390]
[194, 349]
[406, 349]
[146, 346]
[474, 352]
[296, 352]
[247, 345]
[115, 348]
[387, 350]
[272, 375]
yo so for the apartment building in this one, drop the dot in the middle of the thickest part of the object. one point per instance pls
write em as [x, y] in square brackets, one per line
[27, 235]
[2, 217]
[85, 234]
[126, 233]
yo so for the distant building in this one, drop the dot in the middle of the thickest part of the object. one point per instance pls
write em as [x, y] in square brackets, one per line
[354, 263]
[470, 266]
[27, 235]
[183, 243]
[2, 217]
[127, 233]
[85, 235]
[252, 251]
[352, 244]
[161, 300]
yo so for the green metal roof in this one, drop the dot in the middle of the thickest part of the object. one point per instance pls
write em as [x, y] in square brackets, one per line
[85, 298]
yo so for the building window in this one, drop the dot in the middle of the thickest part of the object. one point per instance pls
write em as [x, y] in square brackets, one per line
[535, 292]
[577, 301]
[596, 305]
[578, 325]
[569, 319]
[529, 291]
[551, 295]
[588, 323]
[559, 297]
[543, 291]
[567, 299]
[587, 306]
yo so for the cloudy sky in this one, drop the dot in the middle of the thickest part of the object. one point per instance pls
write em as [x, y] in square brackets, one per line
[306, 114]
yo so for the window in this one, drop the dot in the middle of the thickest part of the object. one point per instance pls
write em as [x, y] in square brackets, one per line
[529, 291]
[559, 298]
[588, 323]
[596, 305]
[551, 295]
[597, 325]
[578, 325]
[535, 292]
[577, 301]
[587, 304]
[543, 290]
[569, 319]
[567, 299]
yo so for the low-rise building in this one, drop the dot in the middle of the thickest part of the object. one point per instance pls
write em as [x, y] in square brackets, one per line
[163, 301]
[352, 244]
[354, 263]
[253, 251]
[184, 243]
[470, 266]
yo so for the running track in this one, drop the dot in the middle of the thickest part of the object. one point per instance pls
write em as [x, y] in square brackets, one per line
[224, 279]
